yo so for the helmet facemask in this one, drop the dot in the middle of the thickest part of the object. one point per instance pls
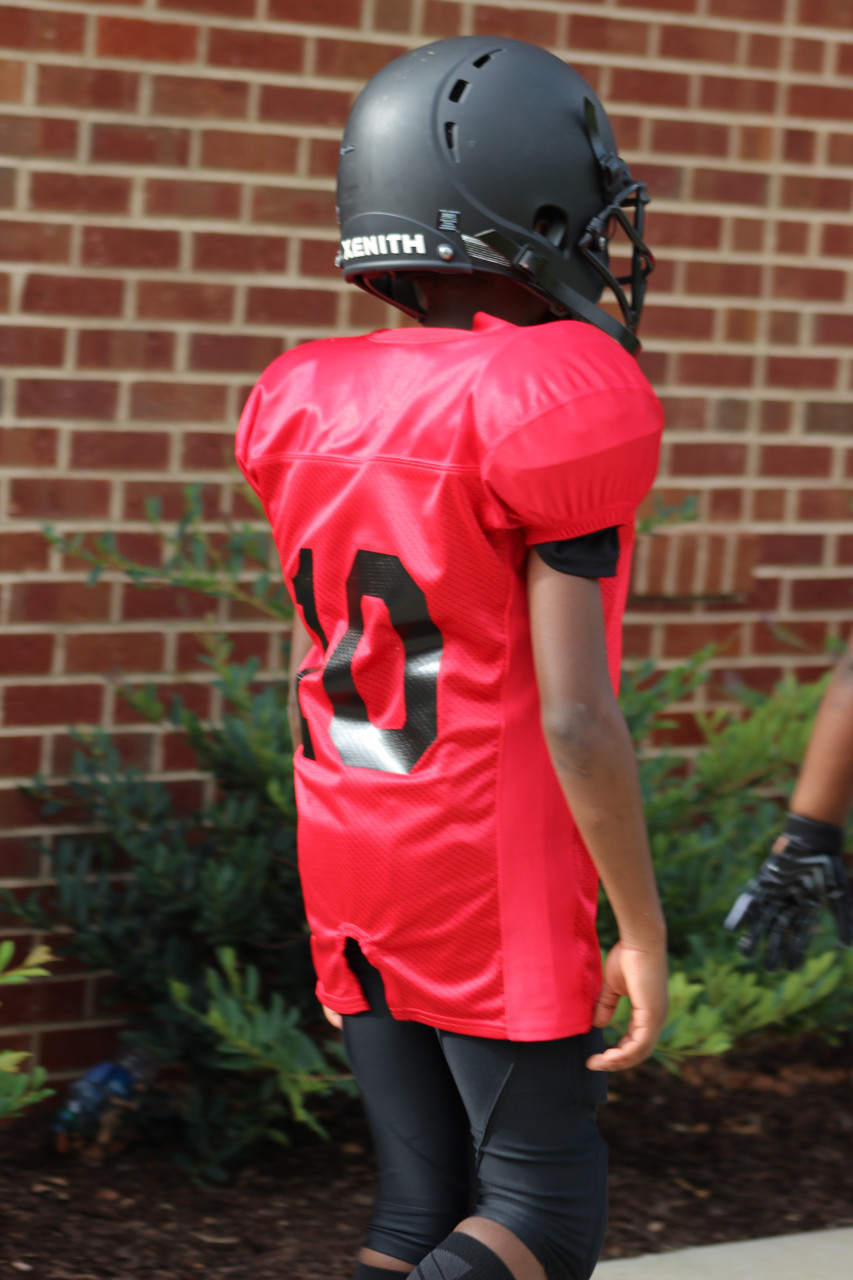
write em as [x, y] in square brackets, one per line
[623, 194]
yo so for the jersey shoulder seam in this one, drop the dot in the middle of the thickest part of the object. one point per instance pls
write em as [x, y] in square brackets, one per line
[373, 457]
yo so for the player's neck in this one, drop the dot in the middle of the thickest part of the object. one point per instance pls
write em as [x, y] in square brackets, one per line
[453, 301]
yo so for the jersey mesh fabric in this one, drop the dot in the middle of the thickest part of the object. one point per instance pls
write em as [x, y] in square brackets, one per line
[404, 474]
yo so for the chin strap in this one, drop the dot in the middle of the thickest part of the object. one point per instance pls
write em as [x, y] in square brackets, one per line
[534, 265]
[620, 192]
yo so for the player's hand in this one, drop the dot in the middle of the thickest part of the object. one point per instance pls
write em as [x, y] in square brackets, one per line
[336, 1019]
[780, 907]
[641, 976]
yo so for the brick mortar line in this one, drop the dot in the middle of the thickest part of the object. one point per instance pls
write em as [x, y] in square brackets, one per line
[653, 113]
[717, 436]
[668, 387]
[259, 177]
[262, 128]
[144, 628]
[83, 1024]
[122, 378]
[636, 615]
[757, 484]
[89, 30]
[317, 284]
[744, 484]
[370, 33]
[164, 675]
[270, 672]
[610, 59]
[203, 679]
[130, 377]
[617, 107]
[142, 324]
[324, 284]
[174, 376]
[99, 373]
[169, 275]
[735, 348]
[689, 208]
[649, 15]
[129, 423]
[176, 775]
[229, 22]
[66, 524]
[596, 58]
[741, 660]
[74, 220]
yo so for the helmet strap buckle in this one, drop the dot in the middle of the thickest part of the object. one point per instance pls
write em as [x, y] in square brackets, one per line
[528, 261]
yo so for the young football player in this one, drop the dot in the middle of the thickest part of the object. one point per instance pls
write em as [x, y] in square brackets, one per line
[453, 505]
[777, 912]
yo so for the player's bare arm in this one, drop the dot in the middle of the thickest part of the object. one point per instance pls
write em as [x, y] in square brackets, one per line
[595, 763]
[824, 790]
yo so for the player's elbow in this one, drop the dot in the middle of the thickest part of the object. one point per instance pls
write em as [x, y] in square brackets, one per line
[578, 733]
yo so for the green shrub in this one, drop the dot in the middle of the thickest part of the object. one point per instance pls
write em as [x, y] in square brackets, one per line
[18, 1090]
[257, 1036]
[157, 896]
[199, 916]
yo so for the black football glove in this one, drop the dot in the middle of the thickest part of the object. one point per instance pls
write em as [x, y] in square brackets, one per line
[782, 903]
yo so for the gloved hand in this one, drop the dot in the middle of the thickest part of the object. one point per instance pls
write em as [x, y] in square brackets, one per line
[805, 871]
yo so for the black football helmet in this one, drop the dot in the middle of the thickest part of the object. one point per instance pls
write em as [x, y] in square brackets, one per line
[484, 154]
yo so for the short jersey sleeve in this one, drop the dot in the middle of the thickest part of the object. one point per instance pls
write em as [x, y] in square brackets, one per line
[580, 466]
[589, 555]
[243, 450]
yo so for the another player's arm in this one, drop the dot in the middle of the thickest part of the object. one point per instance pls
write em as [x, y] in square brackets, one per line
[300, 643]
[805, 867]
[824, 790]
[595, 763]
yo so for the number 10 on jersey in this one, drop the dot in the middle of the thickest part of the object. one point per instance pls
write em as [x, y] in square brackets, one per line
[360, 743]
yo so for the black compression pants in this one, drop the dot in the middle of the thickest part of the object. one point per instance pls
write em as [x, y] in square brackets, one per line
[462, 1125]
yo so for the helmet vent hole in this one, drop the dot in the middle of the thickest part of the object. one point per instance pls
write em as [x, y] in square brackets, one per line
[553, 223]
[457, 93]
[450, 138]
[486, 57]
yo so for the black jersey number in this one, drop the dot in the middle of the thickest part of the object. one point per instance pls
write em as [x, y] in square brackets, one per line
[360, 742]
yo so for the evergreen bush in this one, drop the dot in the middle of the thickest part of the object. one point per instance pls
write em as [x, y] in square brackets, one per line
[17, 1089]
[159, 897]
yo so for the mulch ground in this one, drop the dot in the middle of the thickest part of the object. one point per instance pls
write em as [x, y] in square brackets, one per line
[752, 1146]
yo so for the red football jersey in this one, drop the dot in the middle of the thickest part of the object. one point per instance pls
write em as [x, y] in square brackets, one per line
[404, 474]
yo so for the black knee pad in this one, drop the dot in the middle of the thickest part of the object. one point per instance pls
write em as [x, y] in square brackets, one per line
[365, 1272]
[461, 1257]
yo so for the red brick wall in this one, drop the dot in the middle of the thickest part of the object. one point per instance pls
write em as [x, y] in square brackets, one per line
[167, 226]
